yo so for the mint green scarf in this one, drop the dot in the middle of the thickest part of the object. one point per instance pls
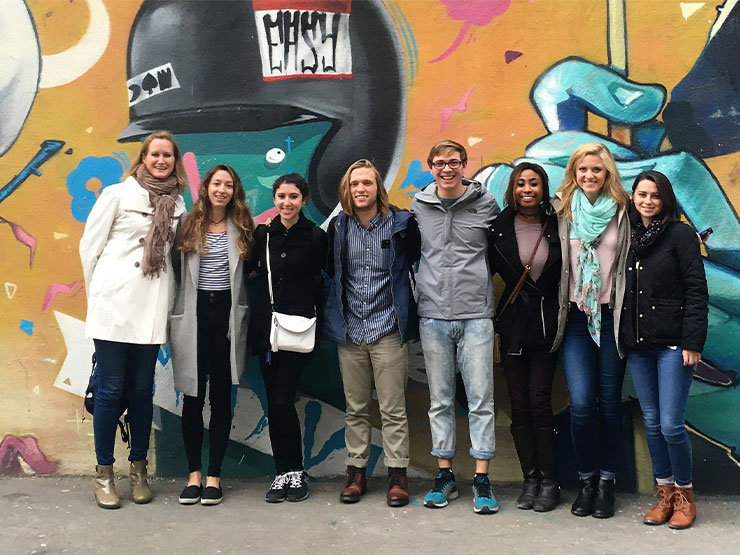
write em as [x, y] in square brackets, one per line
[588, 224]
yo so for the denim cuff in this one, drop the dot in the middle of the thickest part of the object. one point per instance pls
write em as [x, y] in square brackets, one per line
[482, 455]
[444, 453]
[607, 475]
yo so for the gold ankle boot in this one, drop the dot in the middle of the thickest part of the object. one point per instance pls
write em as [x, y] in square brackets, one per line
[105, 487]
[140, 491]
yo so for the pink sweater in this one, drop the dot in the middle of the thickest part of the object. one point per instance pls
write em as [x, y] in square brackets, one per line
[605, 251]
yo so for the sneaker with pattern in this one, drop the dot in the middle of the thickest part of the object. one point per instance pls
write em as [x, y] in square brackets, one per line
[484, 502]
[297, 485]
[444, 489]
[278, 489]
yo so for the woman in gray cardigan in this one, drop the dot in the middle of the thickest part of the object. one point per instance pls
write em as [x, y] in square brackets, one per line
[211, 304]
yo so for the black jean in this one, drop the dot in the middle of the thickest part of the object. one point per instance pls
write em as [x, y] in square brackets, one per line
[529, 378]
[214, 366]
[281, 375]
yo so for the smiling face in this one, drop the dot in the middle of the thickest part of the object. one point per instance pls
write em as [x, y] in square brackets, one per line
[528, 192]
[363, 188]
[647, 201]
[289, 201]
[159, 160]
[221, 189]
[447, 169]
[591, 175]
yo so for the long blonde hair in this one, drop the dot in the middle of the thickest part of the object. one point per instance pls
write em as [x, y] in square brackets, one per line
[613, 187]
[193, 234]
[179, 170]
[345, 198]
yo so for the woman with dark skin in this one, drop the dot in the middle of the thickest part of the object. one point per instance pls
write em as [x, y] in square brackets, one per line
[298, 253]
[528, 327]
[664, 328]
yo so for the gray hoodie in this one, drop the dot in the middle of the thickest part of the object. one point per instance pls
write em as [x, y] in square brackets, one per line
[454, 280]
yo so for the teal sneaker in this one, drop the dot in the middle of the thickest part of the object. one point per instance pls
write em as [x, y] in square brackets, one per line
[484, 502]
[445, 488]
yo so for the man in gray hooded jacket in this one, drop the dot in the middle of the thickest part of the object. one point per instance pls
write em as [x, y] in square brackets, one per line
[455, 307]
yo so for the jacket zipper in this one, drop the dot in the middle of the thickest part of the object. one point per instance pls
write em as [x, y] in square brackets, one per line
[393, 295]
[637, 300]
[542, 314]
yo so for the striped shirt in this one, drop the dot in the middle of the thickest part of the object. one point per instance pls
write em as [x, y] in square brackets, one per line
[214, 265]
[369, 307]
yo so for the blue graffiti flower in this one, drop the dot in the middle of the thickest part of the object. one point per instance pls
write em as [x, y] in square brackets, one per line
[106, 169]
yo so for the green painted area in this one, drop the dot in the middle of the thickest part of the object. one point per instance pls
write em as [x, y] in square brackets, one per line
[259, 157]
[717, 414]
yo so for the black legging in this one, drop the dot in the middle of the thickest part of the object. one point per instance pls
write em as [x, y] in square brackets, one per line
[281, 376]
[529, 378]
[214, 362]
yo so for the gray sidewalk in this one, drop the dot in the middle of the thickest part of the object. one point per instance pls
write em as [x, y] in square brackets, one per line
[59, 515]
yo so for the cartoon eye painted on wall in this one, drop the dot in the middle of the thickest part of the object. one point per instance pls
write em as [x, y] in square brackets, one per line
[274, 156]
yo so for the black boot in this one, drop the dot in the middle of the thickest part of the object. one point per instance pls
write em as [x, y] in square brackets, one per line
[547, 455]
[604, 503]
[526, 448]
[584, 503]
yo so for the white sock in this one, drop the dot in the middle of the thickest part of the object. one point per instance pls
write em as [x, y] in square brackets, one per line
[687, 486]
[666, 481]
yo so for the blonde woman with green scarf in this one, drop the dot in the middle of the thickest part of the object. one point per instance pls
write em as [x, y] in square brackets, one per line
[591, 205]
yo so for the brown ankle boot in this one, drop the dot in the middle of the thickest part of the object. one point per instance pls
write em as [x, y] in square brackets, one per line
[663, 509]
[398, 487]
[105, 487]
[684, 510]
[356, 485]
[140, 491]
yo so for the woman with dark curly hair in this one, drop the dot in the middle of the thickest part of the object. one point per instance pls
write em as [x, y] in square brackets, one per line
[213, 243]
[524, 250]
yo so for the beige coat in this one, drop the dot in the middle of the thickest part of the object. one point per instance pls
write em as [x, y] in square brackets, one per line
[184, 325]
[618, 273]
[122, 304]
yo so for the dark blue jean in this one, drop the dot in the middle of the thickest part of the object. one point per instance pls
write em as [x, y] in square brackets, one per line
[594, 375]
[123, 367]
[662, 384]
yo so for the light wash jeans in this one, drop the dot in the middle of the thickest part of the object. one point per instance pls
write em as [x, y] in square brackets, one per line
[662, 384]
[470, 343]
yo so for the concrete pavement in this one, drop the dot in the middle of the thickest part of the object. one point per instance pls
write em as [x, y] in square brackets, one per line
[59, 515]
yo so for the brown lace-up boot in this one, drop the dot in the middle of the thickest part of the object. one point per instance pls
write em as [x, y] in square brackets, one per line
[663, 509]
[684, 510]
[356, 485]
[398, 487]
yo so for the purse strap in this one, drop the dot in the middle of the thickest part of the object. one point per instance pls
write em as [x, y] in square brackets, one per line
[520, 283]
[269, 273]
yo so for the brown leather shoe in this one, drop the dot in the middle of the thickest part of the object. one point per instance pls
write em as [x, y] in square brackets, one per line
[684, 510]
[398, 487]
[356, 485]
[663, 509]
[141, 493]
[105, 487]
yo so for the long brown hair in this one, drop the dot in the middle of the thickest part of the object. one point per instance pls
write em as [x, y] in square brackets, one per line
[612, 184]
[345, 198]
[179, 170]
[195, 227]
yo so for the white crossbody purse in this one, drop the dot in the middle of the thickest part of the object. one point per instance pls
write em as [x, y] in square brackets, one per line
[287, 331]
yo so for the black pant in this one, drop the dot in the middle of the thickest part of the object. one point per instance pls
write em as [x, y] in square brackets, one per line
[529, 378]
[281, 376]
[214, 363]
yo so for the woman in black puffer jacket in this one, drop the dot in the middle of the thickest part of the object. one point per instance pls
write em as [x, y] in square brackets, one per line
[664, 326]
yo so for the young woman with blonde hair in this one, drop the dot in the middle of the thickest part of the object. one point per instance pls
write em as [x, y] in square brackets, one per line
[211, 305]
[594, 231]
[123, 250]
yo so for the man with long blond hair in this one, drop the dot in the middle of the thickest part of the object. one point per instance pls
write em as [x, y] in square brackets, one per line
[371, 314]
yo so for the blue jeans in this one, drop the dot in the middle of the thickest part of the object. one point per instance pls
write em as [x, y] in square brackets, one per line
[594, 376]
[662, 384]
[470, 343]
[131, 367]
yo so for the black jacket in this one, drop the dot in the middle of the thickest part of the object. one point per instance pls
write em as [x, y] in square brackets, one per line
[297, 259]
[532, 320]
[666, 298]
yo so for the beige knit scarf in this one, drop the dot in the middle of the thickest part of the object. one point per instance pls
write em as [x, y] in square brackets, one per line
[163, 194]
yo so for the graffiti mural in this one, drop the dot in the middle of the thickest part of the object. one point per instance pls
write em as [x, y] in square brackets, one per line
[309, 86]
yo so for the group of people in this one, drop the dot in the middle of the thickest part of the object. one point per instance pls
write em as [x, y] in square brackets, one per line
[607, 279]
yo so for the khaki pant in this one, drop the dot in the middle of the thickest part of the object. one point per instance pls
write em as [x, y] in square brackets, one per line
[386, 362]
